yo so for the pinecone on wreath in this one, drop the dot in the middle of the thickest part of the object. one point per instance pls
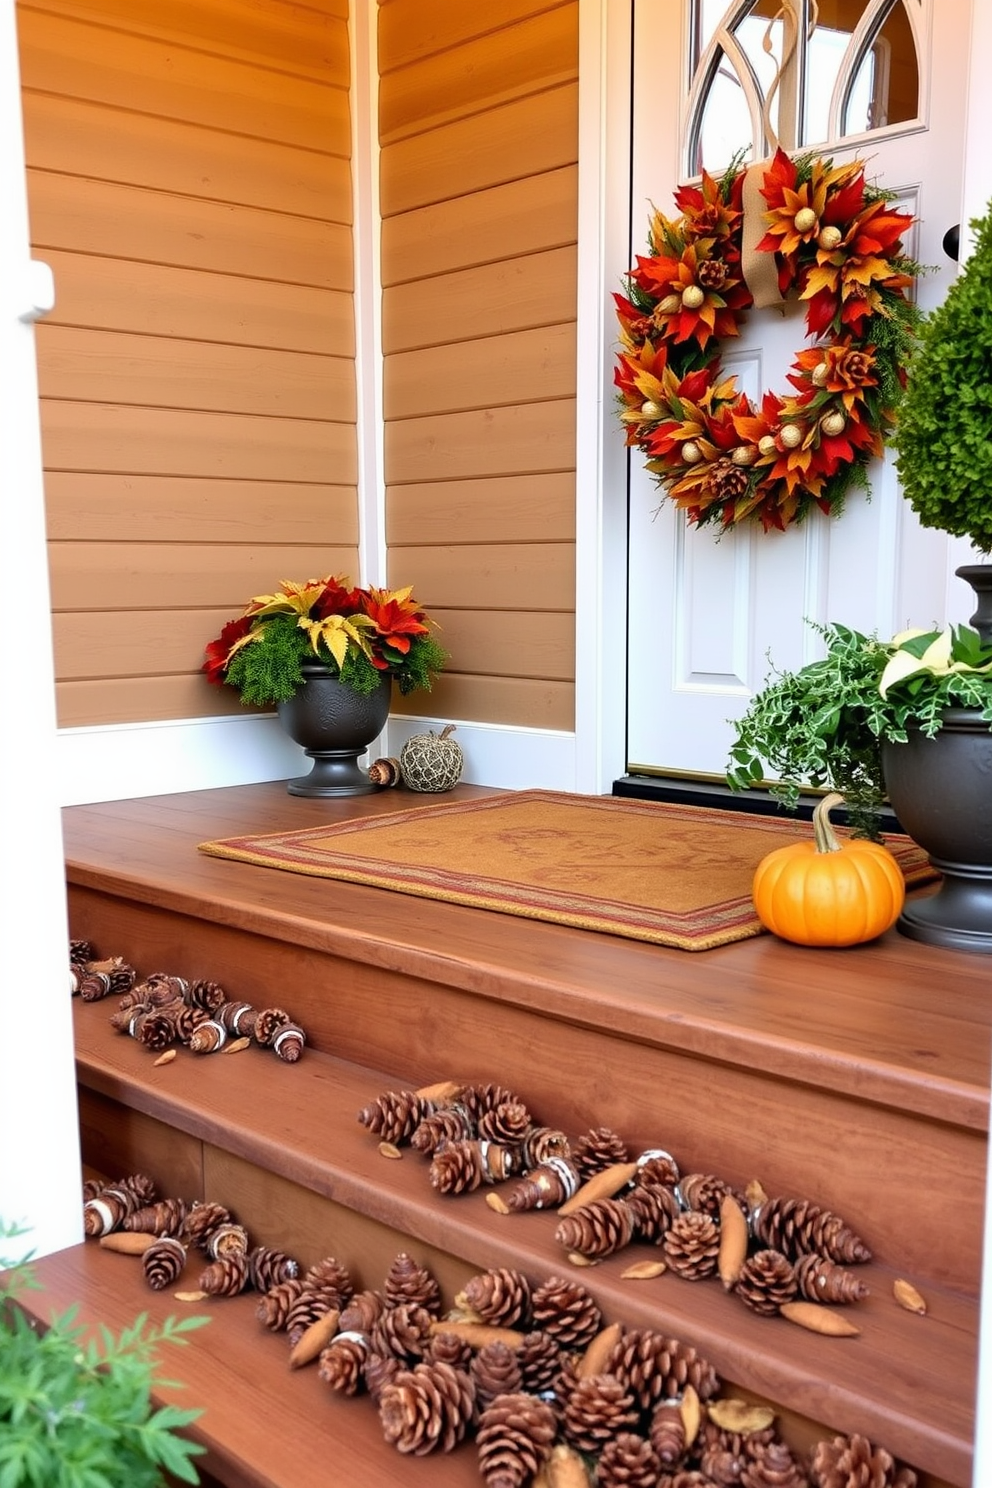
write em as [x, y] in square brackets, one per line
[431, 762]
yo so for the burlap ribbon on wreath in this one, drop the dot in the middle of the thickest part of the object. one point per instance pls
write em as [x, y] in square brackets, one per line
[760, 270]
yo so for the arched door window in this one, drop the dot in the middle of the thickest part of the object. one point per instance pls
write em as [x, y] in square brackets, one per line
[800, 73]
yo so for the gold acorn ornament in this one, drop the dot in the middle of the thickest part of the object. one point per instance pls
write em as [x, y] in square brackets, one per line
[432, 762]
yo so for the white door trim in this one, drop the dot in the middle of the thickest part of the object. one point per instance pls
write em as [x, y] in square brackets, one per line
[39, 1153]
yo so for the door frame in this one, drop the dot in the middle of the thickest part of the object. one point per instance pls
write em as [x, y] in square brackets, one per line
[602, 463]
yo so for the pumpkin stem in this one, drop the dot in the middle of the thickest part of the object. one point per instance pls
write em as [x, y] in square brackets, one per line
[449, 728]
[823, 832]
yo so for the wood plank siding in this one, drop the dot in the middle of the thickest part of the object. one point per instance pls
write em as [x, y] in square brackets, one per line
[478, 133]
[189, 181]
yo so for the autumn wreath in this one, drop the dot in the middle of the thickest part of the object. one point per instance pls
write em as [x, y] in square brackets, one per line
[837, 243]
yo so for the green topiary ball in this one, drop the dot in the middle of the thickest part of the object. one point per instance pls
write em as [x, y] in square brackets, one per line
[431, 762]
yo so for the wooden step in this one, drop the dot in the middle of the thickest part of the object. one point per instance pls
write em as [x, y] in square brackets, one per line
[264, 1425]
[899, 1382]
[816, 1071]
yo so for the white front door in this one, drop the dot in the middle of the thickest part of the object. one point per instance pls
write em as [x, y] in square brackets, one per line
[881, 82]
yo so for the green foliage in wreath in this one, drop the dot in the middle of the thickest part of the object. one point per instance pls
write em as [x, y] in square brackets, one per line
[943, 439]
[78, 1413]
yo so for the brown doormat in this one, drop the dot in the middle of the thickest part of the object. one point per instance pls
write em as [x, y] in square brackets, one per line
[675, 875]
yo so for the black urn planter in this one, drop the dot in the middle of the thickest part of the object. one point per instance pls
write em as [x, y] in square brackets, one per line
[941, 791]
[334, 725]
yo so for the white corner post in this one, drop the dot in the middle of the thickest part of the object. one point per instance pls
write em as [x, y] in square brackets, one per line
[600, 457]
[39, 1127]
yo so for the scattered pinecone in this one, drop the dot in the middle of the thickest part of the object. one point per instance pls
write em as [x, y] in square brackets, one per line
[127, 1017]
[543, 1144]
[654, 1207]
[514, 1439]
[188, 1020]
[206, 995]
[403, 1331]
[409, 1282]
[225, 1277]
[395, 1116]
[507, 1124]
[163, 1262]
[656, 1368]
[208, 1036]
[380, 1369]
[342, 1363]
[80, 951]
[657, 1166]
[227, 1239]
[598, 1148]
[92, 986]
[237, 1017]
[273, 1309]
[772, 1466]
[821, 1280]
[628, 1461]
[167, 1217]
[268, 1268]
[692, 1244]
[566, 1311]
[540, 1359]
[598, 1229]
[852, 1462]
[140, 1187]
[362, 1312]
[496, 1371]
[598, 1407]
[310, 1305]
[667, 1435]
[451, 1124]
[797, 1227]
[457, 1168]
[478, 1099]
[723, 1454]
[106, 1212]
[268, 1023]
[767, 1279]
[288, 1043]
[155, 1030]
[332, 1280]
[501, 1296]
[544, 1187]
[202, 1220]
[427, 1407]
[705, 1192]
[450, 1348]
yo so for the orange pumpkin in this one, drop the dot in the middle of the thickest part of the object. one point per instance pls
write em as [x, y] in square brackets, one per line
[827, 892]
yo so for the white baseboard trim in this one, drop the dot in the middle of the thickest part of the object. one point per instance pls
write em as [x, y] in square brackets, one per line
[116, 762]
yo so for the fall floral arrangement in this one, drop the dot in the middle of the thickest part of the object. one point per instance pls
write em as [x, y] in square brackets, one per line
[838, 245]
[361, 635]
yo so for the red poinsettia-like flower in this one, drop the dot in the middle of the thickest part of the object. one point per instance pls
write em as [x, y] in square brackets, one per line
[707, 215]
[699, 295]
[336, 598]
[219, 651]
[398, 621]
[850, 280]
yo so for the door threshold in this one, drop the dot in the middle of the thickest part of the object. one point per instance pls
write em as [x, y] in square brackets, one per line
[686, 792]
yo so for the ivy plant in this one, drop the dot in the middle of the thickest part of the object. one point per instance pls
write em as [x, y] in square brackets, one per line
[823, 725]
[77, 1412]
[943, 438]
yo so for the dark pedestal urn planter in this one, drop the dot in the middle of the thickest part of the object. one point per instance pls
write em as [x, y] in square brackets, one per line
[941, 791]
[334, 725]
